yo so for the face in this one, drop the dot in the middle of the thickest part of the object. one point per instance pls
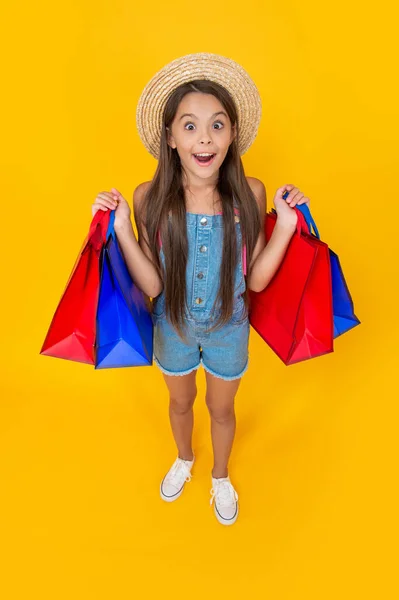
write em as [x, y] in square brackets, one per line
[201, 125]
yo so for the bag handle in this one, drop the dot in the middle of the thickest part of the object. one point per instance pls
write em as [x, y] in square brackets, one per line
[309, 219]
[100, 218]
[100, 221]
[111, 230]
[304, 218]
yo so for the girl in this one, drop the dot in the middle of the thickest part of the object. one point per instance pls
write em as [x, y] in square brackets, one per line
[201, 247]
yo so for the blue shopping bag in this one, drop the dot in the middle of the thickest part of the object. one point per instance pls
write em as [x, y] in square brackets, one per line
[343, 309]
[124, 327]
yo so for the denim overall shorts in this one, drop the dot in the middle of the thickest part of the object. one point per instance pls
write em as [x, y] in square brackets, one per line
[224, 351]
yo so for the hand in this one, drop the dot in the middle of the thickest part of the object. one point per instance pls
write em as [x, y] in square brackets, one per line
[112, 200]
[285, 209]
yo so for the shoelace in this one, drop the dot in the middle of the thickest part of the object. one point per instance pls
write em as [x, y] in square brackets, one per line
[178, 473]
[224, 493]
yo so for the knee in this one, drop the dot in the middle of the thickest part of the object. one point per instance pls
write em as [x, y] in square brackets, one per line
[221, 414]
[183, 403]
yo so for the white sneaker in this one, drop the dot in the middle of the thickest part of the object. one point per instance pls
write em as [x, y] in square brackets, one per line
[225, 496]
[172, 484]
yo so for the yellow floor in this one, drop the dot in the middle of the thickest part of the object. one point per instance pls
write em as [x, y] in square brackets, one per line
[82, 452]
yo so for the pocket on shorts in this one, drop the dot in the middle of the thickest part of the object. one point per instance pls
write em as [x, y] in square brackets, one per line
[240, 312]
[158, 307]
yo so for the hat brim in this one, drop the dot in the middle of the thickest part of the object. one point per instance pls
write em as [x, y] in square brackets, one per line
[201, 65]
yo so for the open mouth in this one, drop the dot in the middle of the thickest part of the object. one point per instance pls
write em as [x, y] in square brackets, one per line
[204, 160]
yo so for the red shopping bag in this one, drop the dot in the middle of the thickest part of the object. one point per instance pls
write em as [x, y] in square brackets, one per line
[72, 331]
[294, 313]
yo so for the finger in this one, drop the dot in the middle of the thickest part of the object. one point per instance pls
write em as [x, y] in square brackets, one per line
[296, 198]
[116, 197]
[107, 204]
[107, 198]
[291, 195]
[304, 200]
[288, 187]
[116, 192]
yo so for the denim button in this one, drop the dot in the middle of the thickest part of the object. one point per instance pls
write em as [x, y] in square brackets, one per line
[203, 249]
[198, 300]
[204, 221]
[200, 275]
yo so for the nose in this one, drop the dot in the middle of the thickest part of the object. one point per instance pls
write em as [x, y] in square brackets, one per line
[205, 138]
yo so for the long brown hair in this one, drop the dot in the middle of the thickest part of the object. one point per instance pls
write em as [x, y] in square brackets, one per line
[166, 194]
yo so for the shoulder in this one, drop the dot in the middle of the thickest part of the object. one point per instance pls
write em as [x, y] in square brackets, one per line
[142, 187]
[140, 192]
[258, 188]
[138, 197]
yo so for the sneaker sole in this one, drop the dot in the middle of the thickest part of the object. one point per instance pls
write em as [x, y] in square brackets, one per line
[175, 496]
[170, 498]
[225, 521]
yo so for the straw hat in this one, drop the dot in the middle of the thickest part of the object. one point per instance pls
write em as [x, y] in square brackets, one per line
[202, 65]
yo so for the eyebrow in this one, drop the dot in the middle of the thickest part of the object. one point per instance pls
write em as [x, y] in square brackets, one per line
[220, 112]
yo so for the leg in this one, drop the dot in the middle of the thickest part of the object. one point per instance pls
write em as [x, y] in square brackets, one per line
[220, 396]
[182, 391]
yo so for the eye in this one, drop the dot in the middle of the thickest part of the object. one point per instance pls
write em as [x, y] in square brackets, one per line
[190, 123]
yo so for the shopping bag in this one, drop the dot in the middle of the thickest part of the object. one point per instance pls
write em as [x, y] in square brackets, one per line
[343, 308]
[293, 314]
[71, 334]
[124, 333]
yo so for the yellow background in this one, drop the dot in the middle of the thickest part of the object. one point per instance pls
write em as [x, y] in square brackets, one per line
[82, 452]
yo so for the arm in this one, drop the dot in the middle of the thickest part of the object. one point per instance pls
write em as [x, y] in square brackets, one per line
[138, 257]
[267, 258]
